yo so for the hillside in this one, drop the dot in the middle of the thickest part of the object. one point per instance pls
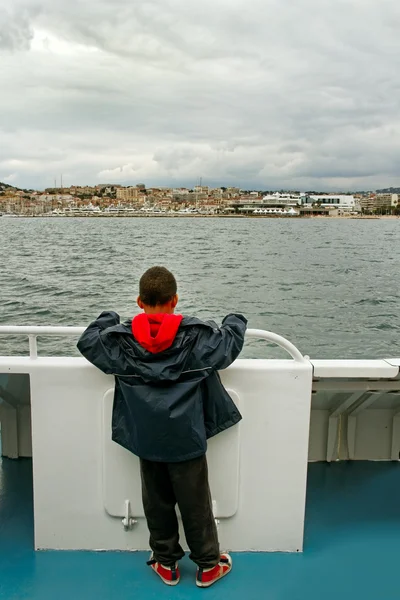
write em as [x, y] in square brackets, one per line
[4, 187]
[392, 190]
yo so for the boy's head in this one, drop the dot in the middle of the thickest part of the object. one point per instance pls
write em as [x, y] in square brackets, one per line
[157, 291]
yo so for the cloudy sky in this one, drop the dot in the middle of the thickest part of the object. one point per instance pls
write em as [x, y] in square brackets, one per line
[301, 94]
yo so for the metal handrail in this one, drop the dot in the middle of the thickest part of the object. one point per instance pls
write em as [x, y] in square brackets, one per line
[280, 341]
[33, 331]
[40, 330]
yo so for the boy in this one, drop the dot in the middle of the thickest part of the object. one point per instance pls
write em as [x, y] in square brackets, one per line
[168, 400]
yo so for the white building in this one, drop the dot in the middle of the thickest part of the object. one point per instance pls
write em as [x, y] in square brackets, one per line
[279, 198]
[343, 202]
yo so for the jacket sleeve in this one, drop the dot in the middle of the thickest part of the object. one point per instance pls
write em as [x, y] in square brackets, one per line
[219, 347]
[94, 345]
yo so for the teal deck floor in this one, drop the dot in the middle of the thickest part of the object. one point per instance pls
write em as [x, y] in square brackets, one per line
[352, 548]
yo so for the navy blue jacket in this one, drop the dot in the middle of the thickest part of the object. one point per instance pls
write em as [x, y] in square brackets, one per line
[166, 405]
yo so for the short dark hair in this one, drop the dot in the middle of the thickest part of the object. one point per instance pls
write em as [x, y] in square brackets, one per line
[157, 286]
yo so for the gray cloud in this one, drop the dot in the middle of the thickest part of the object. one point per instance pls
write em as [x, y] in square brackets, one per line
[257, 93]
[15, 31]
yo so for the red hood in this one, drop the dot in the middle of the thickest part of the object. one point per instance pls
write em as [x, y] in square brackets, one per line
[155, 333]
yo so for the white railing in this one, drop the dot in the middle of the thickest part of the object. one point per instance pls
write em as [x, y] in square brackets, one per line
[34, 331]
[278, 340]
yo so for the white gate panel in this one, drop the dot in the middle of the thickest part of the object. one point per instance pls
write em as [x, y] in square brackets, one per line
[92, 478]
[121, 471]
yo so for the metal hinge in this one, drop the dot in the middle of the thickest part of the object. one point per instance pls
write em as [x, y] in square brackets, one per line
[128, 522]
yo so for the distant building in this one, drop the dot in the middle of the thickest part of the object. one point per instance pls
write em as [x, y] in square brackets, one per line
[129, 193]
[386, 200]
[382, 201]
[280, 199]
[343, 202]
[249, 204]
[321, 211]
[367, 203]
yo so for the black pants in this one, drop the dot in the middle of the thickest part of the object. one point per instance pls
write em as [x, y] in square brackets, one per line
[163, 486]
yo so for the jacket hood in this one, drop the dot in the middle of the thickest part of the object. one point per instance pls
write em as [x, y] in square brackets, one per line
[191, 346]
[167, 365]
[156, 333]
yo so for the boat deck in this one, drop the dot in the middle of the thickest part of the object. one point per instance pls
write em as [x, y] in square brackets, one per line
[351, 548]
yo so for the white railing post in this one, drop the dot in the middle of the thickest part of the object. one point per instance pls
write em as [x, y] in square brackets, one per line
[32, 346]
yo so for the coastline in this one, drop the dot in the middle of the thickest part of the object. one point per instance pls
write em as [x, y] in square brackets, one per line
[198, 216]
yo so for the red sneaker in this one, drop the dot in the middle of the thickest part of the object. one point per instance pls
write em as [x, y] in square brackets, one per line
[206, 577]
[169, 575]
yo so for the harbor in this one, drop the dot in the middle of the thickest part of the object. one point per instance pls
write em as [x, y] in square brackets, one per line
[200, 201]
